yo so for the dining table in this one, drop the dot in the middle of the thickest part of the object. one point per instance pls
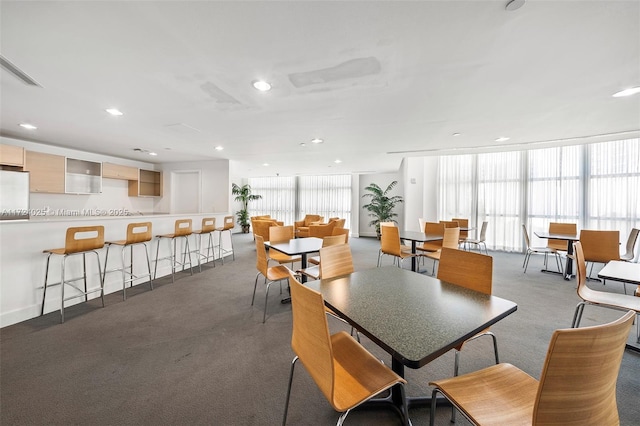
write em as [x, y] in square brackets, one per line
[417, 237]
[570, 239]
[413, 317]
[297, 247]
[625, 272]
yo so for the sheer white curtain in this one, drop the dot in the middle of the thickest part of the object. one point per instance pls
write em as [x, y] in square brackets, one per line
[554, 187]
[613, 177]
[499, 198]
[456, 188]
[328, 196]
[278, 198]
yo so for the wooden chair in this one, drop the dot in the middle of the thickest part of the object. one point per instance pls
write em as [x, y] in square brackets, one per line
[577, 385]
[450, 240]
[481, 240]
[631, 246]
[226, 227]
[207, 228]
[331, 240]
[344, 371]
[390, 245]
[322, 230]
[270, 274]
[539, 250]
[262, 226]
[599, 298]
[341, 231]
[281, 234]
[450, 223]
[600, 246]
[336, 260]
[138, 234]
[463, 223]
[78, 241]
[432, 228]
[182, 231]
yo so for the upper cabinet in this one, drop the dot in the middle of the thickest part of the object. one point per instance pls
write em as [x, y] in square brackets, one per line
[149, 184]
[116, 171]
[12, 156]
[83, 177]
[46, 172]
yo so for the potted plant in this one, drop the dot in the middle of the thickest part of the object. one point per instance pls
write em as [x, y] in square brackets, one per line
[381, 206]
[243, 194]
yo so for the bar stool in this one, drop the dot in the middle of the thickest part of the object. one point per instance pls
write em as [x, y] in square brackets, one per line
[137, 234]
[208, 227]
[182, 230]
[228, 226]
[79, 240]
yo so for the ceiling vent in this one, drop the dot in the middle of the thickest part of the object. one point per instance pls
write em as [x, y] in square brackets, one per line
[7, 65]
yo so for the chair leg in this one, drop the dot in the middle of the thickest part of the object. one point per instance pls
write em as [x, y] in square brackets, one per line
[286, 404]
[44, 289]
[266, 297]
[146, 252]
[577, 315]
[255, 285]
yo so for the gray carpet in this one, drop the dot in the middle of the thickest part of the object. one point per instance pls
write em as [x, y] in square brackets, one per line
[196, 352]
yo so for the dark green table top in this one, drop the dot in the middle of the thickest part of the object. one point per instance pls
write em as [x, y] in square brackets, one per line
[414, 317]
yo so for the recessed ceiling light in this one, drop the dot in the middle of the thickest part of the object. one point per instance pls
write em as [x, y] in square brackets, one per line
[114, 111]
[153, 154]
[303, 144]
[627, 92]
[316, 140]
[265, 164]
[514, 5]
[456, 134]
[338, 161]
[28, 126]
[502, 139]
[219, 148]
[261, 85]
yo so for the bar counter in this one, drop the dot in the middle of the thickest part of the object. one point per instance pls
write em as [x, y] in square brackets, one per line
[22, 263]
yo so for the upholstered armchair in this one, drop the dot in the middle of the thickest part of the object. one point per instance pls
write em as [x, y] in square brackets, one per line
[261, 227]
[301, 227]
[325, 229]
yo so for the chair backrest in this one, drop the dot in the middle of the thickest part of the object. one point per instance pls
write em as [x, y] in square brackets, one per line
[578, 380]
[483, 231]
[466, 269]
[390, 240]
[138, 232]
[600, 246]
[280, 234]
[321, 230]
[526, 236]
[311, 218]
[563, 229]
[341, 231]
[208, 224]
[262, 262]
[84, 238]
[451, 238]
[262, 227]
[463, 223]
[332, 240]
[631, 243]
[434, 228]
[335, 260]
[387, 224]
[310, 338]
[450, 223]
[340, 222]
[182, 227]
[228, 223]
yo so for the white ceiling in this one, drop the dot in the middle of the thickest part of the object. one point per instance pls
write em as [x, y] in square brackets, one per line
[373, 79]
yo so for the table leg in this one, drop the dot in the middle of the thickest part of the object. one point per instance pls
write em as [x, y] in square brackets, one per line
[303, 278]
[569, 267]
[414, 266]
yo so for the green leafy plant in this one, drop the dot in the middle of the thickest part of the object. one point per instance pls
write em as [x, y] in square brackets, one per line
[381, 205]
[243, 194]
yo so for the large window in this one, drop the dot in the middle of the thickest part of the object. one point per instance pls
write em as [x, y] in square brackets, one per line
[595, 186]
[289, 198]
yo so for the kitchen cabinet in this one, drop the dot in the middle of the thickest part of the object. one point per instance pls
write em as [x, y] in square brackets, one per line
[46, 172]
[83, 177]
[149, 184]
[117, 171]
[11, 155]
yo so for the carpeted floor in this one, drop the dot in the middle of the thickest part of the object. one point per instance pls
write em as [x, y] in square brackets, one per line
[196, 352]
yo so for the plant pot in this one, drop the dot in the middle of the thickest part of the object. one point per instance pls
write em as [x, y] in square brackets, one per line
[245, 229]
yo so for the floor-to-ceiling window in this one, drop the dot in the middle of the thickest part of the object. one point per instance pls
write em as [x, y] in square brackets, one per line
[596, 186]
[289, 198]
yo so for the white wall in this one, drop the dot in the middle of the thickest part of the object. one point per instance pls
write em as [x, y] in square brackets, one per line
[382, 180]
[420, 190]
